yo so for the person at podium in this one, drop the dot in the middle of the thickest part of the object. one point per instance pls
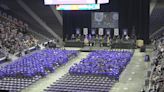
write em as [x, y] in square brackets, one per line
[90, 40]
[108, 40]
[86, 41]
[78, 37]
[100, 41]
[96, 40]
[73, 37]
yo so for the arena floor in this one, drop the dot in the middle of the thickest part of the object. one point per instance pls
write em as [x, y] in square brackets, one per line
[132, 78]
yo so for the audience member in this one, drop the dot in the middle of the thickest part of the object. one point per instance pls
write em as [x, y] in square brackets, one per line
[157, 77]
[14, 35]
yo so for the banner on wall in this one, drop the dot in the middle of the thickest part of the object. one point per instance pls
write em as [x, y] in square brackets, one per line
[85, 31]
[101, 31]
[108, 31]
[125, 31]
[116, 32]
[93, 31]
[77, 31]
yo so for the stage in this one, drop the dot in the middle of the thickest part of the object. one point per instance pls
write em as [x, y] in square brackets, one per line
[115, 44]
[93, 48]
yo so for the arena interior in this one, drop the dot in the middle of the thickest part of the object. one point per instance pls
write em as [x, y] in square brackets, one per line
[81, 45]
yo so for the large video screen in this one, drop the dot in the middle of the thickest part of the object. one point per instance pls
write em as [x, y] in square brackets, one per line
[105, 19]
[57, 2]
[78, 7]
[54, 2]
[102, 1]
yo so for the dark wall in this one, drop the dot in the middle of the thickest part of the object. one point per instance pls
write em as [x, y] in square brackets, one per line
[75, 19]
[132, 13]
[135, 13]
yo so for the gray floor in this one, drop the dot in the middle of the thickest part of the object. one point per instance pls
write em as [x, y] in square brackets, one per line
[132, 79]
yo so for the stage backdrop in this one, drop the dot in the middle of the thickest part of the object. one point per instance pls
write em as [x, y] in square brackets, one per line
[83, 19]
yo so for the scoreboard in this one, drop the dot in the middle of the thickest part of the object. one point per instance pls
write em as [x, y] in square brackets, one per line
[78, 7]
[57, 2]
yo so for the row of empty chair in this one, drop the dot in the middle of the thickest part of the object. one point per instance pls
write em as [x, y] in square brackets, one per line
[17, 84]
[82, 83]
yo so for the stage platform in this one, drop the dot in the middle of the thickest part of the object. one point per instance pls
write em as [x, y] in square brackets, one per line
[73, 44]
[90, 49]
[116, 44]
[123, 44]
